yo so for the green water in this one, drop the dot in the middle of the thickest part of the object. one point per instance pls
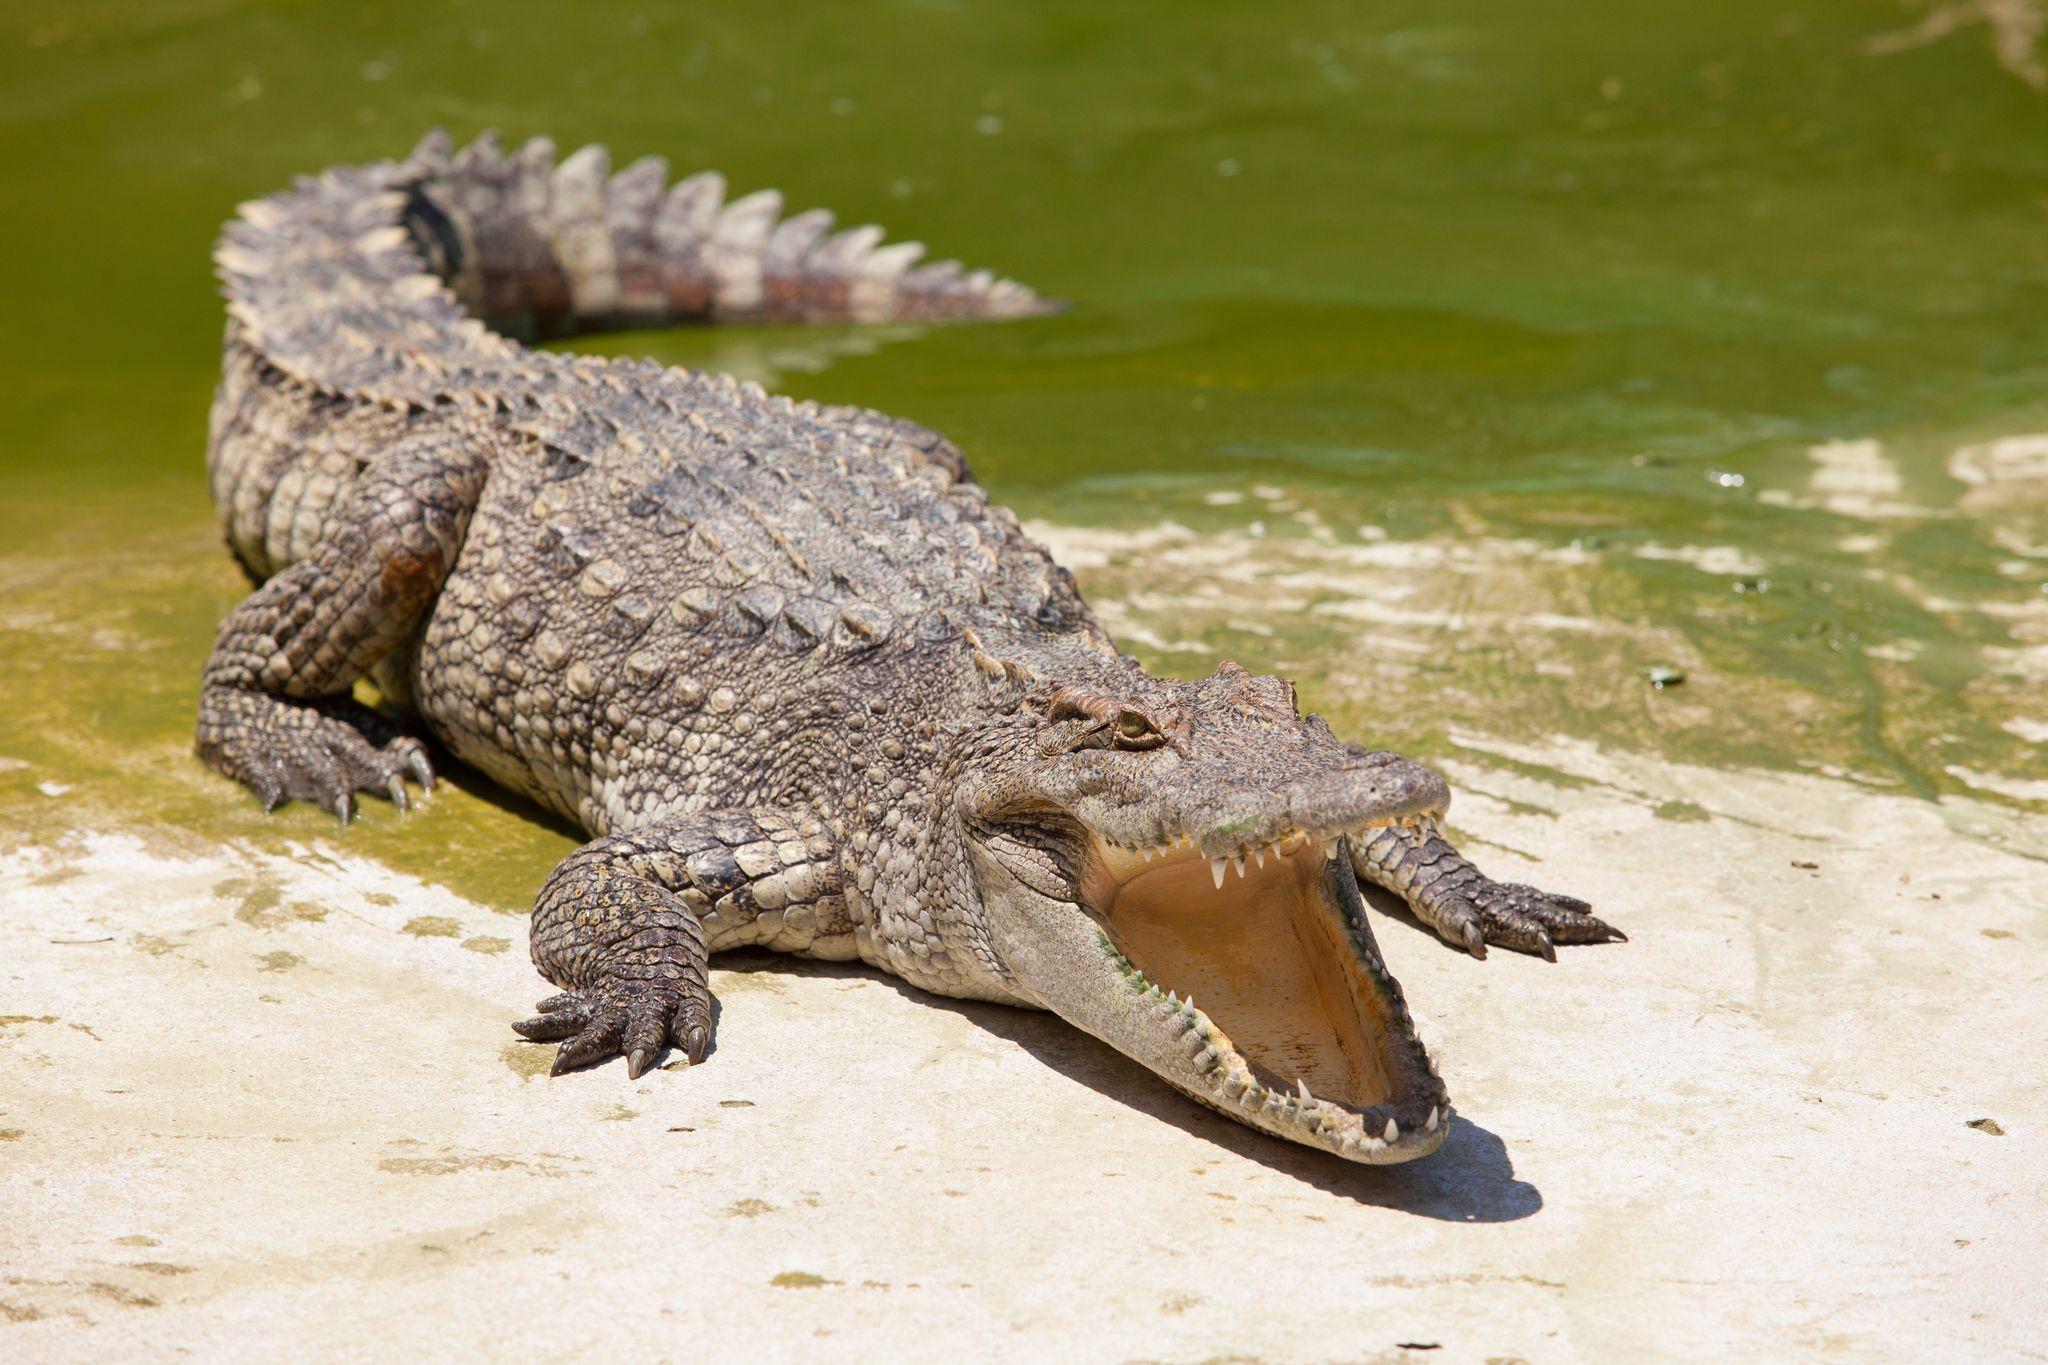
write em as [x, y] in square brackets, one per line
[1465, 361]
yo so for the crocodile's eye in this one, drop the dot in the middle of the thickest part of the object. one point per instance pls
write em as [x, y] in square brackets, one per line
[1135, 730]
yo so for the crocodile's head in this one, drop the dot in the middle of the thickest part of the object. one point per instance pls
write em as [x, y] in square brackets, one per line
[1166, 865]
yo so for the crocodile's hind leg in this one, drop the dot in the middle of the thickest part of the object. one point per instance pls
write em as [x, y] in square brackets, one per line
[626, 923]
[1467, 907]
[274, 709]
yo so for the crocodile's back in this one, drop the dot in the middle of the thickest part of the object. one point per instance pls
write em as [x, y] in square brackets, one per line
[686, 608]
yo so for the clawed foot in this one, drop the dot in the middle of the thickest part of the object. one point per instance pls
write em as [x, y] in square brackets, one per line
[324, 752]
[1518, 917]
[635, 1019]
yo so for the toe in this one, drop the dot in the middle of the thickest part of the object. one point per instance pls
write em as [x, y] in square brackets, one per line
[1475, 939]
[599, 1042]
[690, 1030]
[646, 1031]
[1533, 921]
[547, 1028]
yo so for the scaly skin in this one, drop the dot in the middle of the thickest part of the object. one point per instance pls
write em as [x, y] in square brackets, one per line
[803, 683]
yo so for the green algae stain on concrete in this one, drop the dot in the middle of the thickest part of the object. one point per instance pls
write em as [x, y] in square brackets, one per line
[527, 1060]
[448, 1165]
[486, 944]
[801, 1279]
[262, 905]
[432, 926]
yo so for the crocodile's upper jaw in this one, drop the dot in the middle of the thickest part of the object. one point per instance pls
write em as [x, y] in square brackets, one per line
[1254, 986]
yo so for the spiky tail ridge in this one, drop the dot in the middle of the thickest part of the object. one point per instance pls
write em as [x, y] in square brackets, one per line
[539, 248]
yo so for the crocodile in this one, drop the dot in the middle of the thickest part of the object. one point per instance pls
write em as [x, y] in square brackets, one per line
[801, 682]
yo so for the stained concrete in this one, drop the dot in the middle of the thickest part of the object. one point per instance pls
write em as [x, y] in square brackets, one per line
[254, 1104]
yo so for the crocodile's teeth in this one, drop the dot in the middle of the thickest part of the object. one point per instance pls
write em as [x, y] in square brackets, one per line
[1238, 863]
[1216, 866]
[1393, 1133]
[1259, 855]
[1301, 1087]
[1431, 1125]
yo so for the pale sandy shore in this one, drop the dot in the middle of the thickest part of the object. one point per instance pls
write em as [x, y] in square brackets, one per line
[259, 1106]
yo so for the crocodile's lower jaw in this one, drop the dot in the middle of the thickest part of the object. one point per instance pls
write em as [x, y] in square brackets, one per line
[1267, 997]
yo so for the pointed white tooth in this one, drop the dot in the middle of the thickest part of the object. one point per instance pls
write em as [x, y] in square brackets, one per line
[1301, 1088]
[1238, 863]
[1216, 866]
[1431, 1125]
[1393, 1133]
[1173, 999]
[1259, 855]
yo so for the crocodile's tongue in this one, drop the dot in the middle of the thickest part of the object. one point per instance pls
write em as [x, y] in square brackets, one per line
[1280, 961]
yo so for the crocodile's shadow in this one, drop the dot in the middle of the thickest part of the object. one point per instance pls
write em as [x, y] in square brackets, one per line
[1469, 1180]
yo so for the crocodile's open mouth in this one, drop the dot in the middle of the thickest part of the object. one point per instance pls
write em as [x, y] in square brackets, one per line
[1264, 976]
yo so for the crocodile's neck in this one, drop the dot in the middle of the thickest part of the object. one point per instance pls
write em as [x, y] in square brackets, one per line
[911, 884]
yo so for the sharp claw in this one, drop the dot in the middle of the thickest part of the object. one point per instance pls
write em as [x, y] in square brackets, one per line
[1475, 941]
[561, 1061]
[416, 763]
[636, 1064]
[345, 807]
[1543, 946]
[695, 1041]
[395, 785]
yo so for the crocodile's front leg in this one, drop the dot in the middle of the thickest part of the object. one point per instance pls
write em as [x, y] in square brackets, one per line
[1467, 907]
[626, 923]
[274, 709]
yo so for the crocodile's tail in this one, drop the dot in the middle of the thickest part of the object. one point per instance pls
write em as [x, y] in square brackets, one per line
[540, 248]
